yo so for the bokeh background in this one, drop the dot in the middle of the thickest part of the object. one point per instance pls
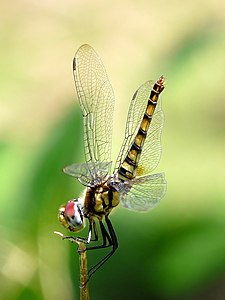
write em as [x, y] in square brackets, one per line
[177, 251]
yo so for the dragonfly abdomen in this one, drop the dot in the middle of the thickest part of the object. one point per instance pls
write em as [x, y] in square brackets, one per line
[129, 166]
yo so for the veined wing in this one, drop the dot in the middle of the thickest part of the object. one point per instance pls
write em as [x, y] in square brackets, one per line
[142, 193]
[96, 99]
[83, 172]
[151, 151]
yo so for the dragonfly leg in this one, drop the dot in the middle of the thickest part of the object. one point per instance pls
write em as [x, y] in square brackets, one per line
[106, 239]
[95, 232]
[89, 237]
[85, 240]
[109, 239]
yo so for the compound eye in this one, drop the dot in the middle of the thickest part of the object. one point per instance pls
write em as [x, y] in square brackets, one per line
[70, 209]
[71, 216]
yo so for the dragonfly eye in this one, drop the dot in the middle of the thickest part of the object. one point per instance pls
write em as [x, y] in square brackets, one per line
[71, 215]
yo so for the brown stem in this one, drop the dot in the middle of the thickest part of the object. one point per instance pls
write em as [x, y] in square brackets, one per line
[84, 292]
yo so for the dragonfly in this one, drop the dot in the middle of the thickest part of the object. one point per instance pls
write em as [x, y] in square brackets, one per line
[130, 183]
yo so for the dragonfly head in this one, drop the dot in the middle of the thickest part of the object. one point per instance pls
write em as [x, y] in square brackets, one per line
[71, 215]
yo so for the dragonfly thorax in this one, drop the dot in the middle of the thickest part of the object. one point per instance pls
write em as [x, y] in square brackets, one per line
[71, 215]
[100, 200]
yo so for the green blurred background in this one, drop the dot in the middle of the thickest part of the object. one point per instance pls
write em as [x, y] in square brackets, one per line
[177, 251]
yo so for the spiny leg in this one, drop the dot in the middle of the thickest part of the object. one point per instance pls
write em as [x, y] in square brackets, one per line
[95, 230]
[107, 241]
[109, 236]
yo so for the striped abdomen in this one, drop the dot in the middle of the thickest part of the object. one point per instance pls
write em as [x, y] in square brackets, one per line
[129, 166]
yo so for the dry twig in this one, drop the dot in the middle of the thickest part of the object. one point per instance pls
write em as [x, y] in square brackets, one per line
[84, 292]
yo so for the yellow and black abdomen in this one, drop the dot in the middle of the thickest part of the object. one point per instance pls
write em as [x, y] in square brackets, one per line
[129, 166]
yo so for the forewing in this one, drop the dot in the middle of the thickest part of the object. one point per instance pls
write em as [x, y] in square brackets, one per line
[82, 172]
[96, 99]
[79, 171]
[143, 193]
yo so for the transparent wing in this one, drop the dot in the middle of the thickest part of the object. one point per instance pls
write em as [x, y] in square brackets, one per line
[96, 99]
[82, 172]
[152, 147]
[143, 193]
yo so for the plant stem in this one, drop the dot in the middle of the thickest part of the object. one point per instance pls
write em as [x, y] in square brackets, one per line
[84, 292]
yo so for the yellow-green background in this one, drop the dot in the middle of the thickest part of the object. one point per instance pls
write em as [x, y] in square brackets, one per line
[177, 251]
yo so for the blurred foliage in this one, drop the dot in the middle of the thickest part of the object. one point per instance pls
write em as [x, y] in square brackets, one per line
[178, 250]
